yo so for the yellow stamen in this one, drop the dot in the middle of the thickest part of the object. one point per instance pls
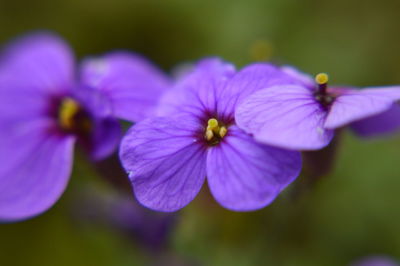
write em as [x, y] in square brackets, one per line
[212, 123]
[209, 134]
[214, 131]
[222, 132]
[68, 109]
[321, 78]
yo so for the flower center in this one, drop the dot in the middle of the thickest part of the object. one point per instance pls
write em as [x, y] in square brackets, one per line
[215, 131]
[322, 95]
[73, 118]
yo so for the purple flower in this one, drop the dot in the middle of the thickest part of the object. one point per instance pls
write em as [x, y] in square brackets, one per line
[45, 109]
[379, 125]
[303, 116]
[121, 212]
[168, 157]
[376, 261]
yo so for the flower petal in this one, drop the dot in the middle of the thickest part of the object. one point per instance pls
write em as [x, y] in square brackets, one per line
[19, 134]
[247, 81]
[105, 138]
[105, 132]
[244, 175]
[35, 170]
[16, 105]
[197, 92]
[285, 116]
[352, 105]
[382, 124]
[165, 162]
[304, 79]
[40, 62]
[132, 83]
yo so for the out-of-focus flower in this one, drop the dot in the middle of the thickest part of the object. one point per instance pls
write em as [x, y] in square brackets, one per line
[376, 261]
[122, 213]
[379, 125]
[303, 116]
[169, 157]
[45, 109]
[131, 83]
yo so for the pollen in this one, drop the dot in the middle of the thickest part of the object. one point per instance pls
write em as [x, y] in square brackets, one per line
[215, 131]
[222, 132]
[212, 123]
[321, 78]
[209, 134]
[68, 109]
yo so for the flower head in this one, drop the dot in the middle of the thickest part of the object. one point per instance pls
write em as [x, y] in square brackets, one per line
[121, 212]
[195, 136]
[303, 116]
[45, 109]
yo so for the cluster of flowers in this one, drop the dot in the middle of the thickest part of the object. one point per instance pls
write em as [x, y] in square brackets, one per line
[242, 130]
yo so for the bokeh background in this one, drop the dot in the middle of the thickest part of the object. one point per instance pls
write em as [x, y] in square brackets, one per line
[351, 212]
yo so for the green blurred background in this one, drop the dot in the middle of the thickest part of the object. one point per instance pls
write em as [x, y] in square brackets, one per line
[350, 213]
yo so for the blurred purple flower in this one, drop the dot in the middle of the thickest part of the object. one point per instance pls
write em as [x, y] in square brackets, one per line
[124, 214]
[169, 157]
[45, 109]
[303, 116]
[379, 125]
[376, 261]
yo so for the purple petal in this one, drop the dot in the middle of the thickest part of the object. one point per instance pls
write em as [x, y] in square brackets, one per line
[16, 105]
[132, 83]
[19, 133]
[165, 162]
[35, 170]
[285, 116]
[249, 80]
[304, 79]
[214, 88]
[244, 175]
[94, 101]
[105, 139]
[39, 62]
[197, 92]
[382, 124]
[106, 130]
[353, 105]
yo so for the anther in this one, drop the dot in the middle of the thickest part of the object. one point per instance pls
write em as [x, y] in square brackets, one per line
[222, 132]
[68, 109]
[322, 80]
[215, 131]
[212, 123]
[209, 134]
